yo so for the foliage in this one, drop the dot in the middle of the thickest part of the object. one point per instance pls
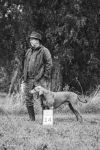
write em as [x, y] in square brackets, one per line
[70, 28]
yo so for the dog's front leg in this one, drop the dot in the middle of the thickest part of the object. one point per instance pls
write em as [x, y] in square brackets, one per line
[43, 102]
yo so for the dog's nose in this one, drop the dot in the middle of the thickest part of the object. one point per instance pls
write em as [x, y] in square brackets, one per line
[32, 91]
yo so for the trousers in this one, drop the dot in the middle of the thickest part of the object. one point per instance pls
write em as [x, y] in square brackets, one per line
[29, 98]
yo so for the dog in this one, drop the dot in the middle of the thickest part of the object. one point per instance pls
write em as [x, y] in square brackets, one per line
[56, 99]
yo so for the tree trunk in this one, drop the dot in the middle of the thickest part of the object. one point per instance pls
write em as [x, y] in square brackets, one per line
[56, 77]
[13, 80]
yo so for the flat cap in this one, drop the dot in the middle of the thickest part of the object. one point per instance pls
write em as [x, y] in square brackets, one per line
[35, 35]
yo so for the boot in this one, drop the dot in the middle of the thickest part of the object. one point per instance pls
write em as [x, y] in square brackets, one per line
[31, 113]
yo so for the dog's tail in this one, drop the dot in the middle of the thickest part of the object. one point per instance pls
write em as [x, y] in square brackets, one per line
[80, 99]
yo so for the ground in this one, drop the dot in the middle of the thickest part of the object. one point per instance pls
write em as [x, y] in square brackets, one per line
[18, 133]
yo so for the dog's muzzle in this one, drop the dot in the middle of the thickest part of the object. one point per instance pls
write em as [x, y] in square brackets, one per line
[33, 91]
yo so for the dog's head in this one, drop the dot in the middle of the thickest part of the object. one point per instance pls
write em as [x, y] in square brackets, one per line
[48, 96]
[38, 89]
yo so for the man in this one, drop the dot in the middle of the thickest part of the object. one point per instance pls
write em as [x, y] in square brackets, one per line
[37, 69]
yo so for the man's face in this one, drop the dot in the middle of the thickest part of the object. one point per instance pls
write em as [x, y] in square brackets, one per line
[34, 43]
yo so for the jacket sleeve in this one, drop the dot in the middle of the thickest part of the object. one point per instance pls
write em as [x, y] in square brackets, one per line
[47, 63]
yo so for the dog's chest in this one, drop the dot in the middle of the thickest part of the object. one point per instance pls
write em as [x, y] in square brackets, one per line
[49, 98]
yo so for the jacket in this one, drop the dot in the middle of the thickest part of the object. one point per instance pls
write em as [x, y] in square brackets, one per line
[42, 64]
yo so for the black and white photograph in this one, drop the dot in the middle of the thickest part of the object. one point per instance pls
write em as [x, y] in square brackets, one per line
[49, 74]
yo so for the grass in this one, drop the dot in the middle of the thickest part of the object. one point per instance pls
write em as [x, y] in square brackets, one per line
[93, 105]
[65, 134]
[18, 133]
[15, 105]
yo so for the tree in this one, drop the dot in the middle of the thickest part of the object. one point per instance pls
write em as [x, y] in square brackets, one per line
[71, 30]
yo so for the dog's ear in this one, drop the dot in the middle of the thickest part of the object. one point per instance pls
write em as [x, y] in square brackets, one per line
[40, 92]
[53, 94]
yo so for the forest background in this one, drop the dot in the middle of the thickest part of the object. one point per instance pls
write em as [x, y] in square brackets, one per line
[70, 30]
